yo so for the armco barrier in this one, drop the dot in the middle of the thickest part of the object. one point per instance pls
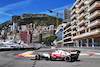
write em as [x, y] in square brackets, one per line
[14, 49]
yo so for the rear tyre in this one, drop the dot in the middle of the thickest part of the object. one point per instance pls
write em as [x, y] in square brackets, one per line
[76, 59]
[69, 59]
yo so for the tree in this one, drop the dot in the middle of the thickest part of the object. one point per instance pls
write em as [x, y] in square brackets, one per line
[49, 39]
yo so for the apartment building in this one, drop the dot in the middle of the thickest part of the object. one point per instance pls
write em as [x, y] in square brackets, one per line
[86, 23]
[67, 15]
[67, 36]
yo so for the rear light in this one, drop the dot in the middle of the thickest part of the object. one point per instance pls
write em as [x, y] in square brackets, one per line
[73, 51]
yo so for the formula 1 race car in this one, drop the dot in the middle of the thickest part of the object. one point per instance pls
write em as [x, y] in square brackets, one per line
[59, 54]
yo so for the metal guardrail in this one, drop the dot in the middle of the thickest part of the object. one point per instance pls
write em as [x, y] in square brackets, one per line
[14, 49]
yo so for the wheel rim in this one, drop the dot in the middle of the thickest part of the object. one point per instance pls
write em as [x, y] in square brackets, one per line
[67, 59]
[37, 57]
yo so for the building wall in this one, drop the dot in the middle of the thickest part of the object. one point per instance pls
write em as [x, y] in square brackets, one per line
[85, 23]
[25, 36]
[67, 36]
[67, 14]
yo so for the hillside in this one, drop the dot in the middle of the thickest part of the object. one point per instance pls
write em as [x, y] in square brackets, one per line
[40, 19]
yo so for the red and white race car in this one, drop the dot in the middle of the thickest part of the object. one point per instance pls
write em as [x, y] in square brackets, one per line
[59, 54]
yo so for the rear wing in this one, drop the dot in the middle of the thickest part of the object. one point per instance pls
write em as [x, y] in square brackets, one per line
[75, 52]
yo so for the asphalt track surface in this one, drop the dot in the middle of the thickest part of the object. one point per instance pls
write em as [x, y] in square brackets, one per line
[9, 59]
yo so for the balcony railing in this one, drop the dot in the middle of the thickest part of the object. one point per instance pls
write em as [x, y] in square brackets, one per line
[73, 16]
[67, 37]
[73, 27]
[94, 23]
[79, 5]
[73, 11]
[67, 29]
[80, 23]
[96, 4]
[73, 21]
[74, 5]
[81, 16]
[68, 42]
[82, 8]
[93, 32]
[90, 1]
[96, 13]
[80, 29]
[73, 32]
[67, 33]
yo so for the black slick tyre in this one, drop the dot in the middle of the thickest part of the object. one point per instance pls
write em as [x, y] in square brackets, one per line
[37, 57]
[69, 59]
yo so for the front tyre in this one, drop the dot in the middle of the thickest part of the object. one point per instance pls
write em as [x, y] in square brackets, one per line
[37, 57]
[51, 58]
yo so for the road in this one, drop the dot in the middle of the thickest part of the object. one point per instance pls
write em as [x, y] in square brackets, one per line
[9, 59]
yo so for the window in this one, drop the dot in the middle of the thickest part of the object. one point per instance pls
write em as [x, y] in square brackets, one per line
[76, 16]
[86, 16]
[86, 24]
[87, 30]
[77, 29]
[86, 9]
[77, 22]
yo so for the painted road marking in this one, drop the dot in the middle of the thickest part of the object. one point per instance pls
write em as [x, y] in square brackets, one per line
[29, 54]
[26, 54]
[90, 54]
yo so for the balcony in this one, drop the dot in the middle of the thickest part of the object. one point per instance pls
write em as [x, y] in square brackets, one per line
[67, 33]
[95, 14]
[86, 2]
[90, 1]
[80, 29]
[77, 1]
[68, 23]
[73, 12]
[88, 34]
[73, 16]
[82, 8]
[68, 42]
[73, 32]
[80, 4]
[94, 6]
[73, 27]
[73, 6]
[94, 23]
[67, 38]
[67, 29]
[73, 21]
[80, 23]
[82, 15]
